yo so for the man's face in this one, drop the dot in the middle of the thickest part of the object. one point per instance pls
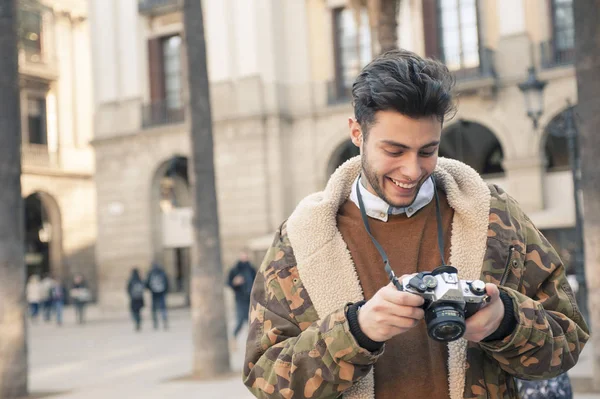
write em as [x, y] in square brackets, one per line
[398, 155]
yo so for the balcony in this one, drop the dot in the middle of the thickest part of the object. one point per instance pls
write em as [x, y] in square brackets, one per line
[552, 57]
[158, 7]
[159, 113]
[38, 156]
[481, 80]
[38, 65]
[484, 70]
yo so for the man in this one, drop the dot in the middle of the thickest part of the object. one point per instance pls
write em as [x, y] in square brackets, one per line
[48, 284]
[240, 280]
[311, 333]
[158, 284]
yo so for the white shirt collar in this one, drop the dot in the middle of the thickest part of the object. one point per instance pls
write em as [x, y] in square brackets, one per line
[379, 209]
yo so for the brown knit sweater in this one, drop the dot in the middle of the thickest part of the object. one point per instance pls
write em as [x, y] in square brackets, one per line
[413, 365]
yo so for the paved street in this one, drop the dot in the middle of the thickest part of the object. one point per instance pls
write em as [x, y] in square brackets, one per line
[107, 359]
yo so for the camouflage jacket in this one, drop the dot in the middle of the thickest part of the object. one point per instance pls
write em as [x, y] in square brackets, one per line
[299, 343]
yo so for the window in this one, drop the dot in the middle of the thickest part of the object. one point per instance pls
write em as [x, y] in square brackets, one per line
[562, 25]
[459, 38]
[172, 71]
[165, 70]
[352, 47]
[165, 67]
[30, 30]
[36, 120]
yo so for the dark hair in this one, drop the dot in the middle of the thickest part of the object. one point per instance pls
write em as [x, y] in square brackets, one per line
[401, 81]
[135, 273]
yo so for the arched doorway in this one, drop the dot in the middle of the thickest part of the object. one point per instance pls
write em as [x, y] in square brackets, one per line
[43, 236]
[342, 153]
[473, 144]
[171, 214]
[555, 144]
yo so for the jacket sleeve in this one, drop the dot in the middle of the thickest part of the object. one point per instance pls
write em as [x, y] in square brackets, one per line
[550, 331]
[290, 351]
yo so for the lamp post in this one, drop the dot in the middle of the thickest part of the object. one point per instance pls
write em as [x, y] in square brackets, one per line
[533, 90]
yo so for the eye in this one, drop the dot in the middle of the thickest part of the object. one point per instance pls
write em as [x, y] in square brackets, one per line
[394, 153]
[427, 153]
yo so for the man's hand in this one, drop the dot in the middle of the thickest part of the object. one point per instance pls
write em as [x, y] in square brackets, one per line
[238, 280]
[488, 319]
[390, 312]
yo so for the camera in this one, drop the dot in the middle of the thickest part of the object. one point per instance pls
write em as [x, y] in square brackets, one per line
[448, 300]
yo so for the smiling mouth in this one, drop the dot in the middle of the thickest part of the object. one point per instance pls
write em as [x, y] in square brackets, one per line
[407, 186]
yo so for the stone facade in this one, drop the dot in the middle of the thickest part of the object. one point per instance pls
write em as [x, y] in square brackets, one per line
[59, 170]
[276, 130]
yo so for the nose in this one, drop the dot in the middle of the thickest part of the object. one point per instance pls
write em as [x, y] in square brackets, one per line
[412, 168]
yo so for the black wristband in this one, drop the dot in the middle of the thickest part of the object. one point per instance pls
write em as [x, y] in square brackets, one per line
[361, 338]
[508, 323]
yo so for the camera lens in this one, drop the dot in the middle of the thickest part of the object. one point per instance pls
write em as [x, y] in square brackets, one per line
[445, 322]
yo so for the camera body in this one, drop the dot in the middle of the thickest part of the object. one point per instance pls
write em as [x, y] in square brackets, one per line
[448, 300]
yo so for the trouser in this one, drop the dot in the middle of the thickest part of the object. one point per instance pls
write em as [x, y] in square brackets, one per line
[58, 308]
[159, 305]
[80, 312]
[136, 314]
[34, 308]
[47, 309]
[241, 311]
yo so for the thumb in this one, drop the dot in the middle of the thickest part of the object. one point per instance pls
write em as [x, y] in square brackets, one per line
[492, 291]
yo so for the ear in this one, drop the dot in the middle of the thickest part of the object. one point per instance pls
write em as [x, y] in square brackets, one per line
[356, 134]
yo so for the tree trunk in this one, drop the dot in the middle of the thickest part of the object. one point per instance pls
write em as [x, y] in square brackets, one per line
[383, 23]
[587, 50]
[211, 355]
[388, 25]
[13, 346]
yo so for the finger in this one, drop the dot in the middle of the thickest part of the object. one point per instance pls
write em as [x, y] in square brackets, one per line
[401, 298]
[392, 309]
[400, 322]
[492, 291]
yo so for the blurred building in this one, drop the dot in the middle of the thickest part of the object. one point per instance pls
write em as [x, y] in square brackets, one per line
[56, 121]
[281, 72]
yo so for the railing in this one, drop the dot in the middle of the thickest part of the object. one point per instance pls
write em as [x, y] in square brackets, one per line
[38, 155]
[485, 69]
[153, 7]
[552, 57]
[159, 113]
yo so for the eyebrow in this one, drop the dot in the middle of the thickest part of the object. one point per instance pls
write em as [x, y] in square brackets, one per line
[396, 144]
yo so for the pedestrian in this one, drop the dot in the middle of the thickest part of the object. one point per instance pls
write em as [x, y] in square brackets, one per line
[343, 286]
[135, 290]
[554, 388]
[34, 296]
[48, 284]
[57, 296]
[241, 278]
[158, 284]
[81, 295]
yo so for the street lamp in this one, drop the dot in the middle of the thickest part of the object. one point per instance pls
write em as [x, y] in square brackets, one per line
[533, 90]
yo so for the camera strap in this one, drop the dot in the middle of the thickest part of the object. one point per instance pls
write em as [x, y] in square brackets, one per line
[386, 261]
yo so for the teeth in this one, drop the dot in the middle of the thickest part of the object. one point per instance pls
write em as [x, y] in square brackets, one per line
[409, 186]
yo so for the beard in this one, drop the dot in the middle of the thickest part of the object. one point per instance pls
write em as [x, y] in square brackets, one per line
[375, 180]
